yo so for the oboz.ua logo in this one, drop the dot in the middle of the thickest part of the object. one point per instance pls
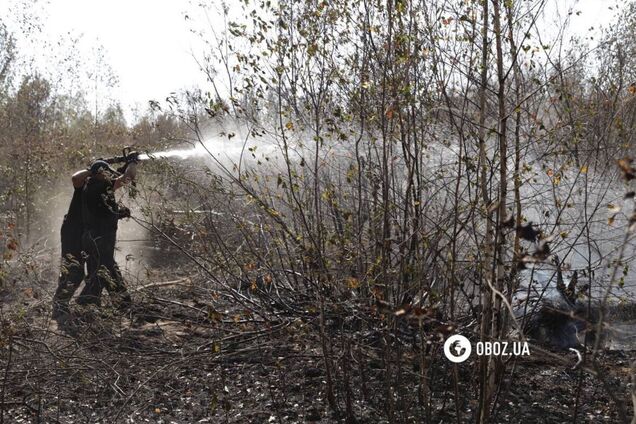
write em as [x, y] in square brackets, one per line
[457, 348]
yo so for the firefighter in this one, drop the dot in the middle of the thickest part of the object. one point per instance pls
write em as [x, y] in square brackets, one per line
[100, 215]
[72, 265]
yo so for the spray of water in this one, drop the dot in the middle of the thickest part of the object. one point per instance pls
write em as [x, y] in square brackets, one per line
[219, 152]
[174, 153]
[215, 146]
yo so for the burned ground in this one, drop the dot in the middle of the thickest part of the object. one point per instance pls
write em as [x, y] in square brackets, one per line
[187, 353]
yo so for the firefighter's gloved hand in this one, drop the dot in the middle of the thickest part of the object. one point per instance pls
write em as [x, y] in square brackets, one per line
[124, 212]
[132, 157]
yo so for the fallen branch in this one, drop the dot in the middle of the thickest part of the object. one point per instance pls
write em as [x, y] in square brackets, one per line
[185, 281]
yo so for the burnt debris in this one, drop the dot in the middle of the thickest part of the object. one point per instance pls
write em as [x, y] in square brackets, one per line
[547, 307]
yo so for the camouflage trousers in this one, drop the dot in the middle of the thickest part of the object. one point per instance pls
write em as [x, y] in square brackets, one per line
[103, 271]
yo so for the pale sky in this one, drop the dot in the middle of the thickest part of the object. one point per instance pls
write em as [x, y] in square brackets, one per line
[149, 46]
[147, 43]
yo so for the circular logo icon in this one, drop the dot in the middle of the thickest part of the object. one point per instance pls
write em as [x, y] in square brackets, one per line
[457, 348]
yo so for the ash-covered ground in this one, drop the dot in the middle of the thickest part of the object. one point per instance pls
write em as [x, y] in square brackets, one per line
[187, 353]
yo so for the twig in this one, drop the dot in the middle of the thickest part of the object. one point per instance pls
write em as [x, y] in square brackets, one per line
[578, 355]
[182, 281]
[256, 333]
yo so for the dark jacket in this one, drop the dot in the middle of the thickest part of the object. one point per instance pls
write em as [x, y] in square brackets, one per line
[72, 226]
[100, 211]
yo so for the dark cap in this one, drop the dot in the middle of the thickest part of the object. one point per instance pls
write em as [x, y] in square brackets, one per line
[100, 165]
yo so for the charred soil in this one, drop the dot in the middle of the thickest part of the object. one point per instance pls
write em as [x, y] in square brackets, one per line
[186, 353]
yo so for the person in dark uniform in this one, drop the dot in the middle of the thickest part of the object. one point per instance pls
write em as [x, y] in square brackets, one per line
[72, 265]
[100, 215]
